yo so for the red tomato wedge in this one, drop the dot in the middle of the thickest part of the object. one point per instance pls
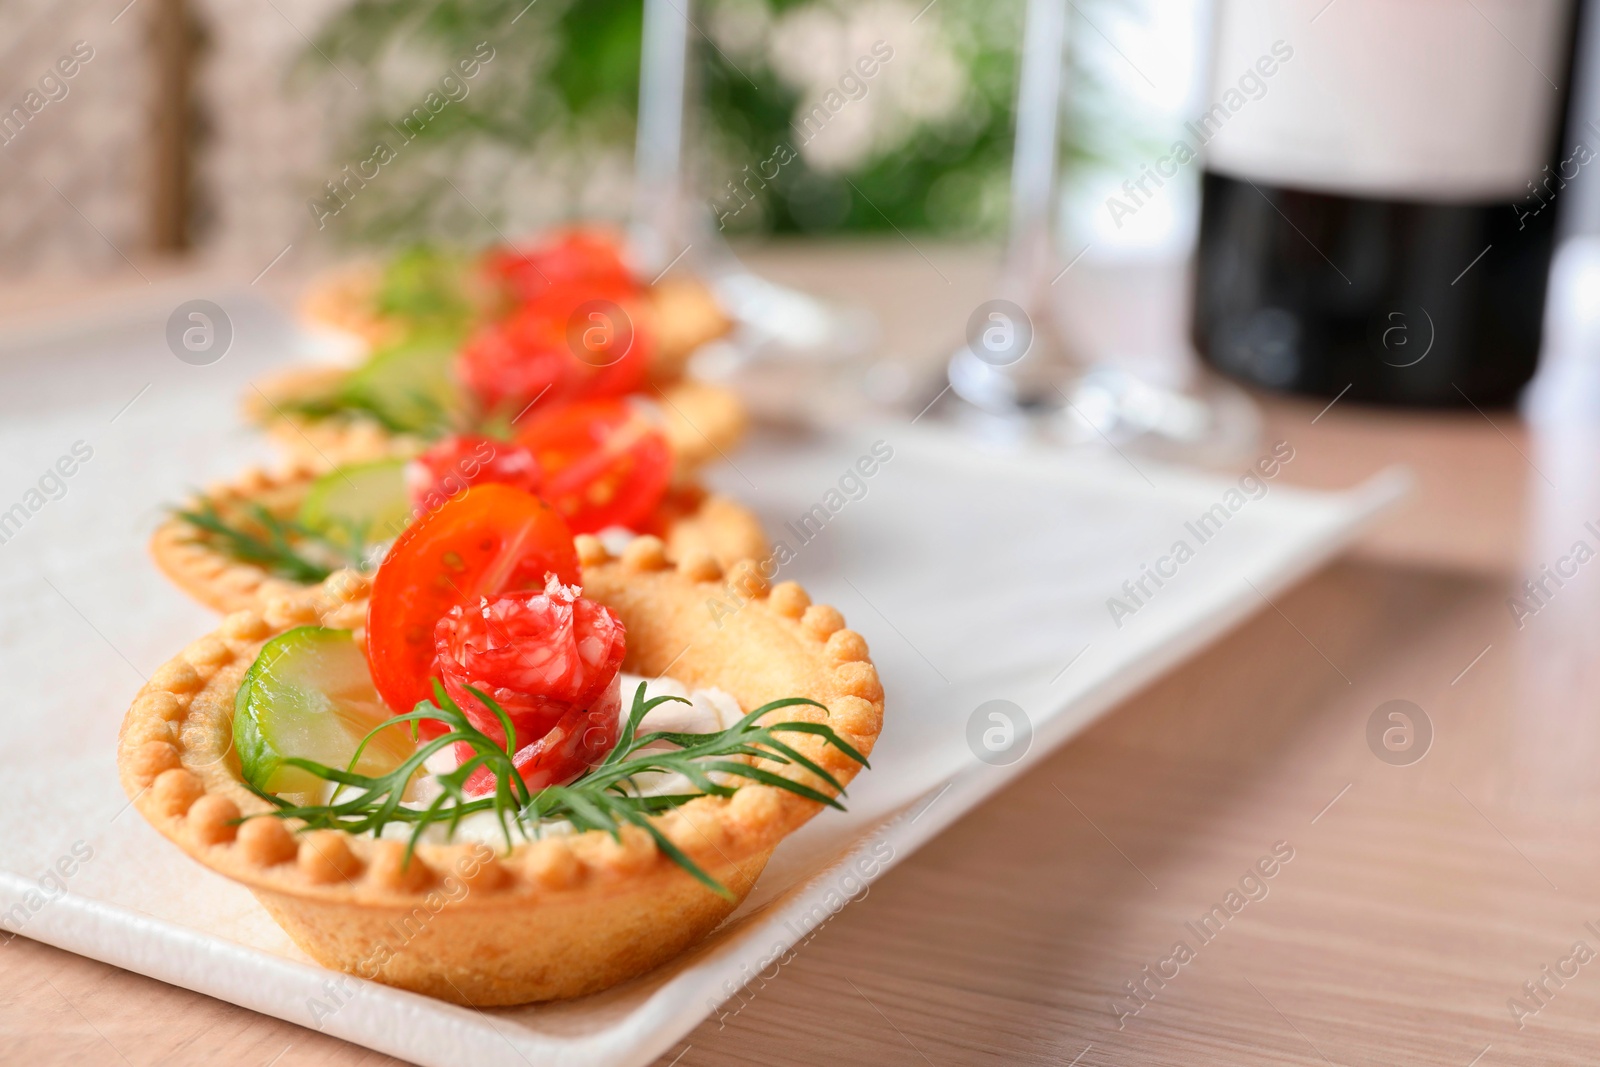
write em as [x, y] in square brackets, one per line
[606, 463]
[492, 539]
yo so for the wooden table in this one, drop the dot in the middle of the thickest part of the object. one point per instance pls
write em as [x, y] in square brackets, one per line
[1419, 898]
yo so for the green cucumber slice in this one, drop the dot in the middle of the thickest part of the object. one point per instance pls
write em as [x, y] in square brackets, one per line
[409, 385]
[309, 694]
[361, 504]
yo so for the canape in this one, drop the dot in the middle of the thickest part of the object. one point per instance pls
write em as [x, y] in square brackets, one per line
[373, 304]
[553, 835]
[564, 322]
[276, 533]
[703, 422]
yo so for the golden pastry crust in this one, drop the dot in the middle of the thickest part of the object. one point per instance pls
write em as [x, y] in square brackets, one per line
[682, 312]
[345, 299]
[715, 526]
[214, 578]
[683, 315]
[702, 422]
[553, 918]
[691, 522]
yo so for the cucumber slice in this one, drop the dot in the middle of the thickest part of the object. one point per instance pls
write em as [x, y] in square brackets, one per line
[309, 694]
[409, 386]
[361, 504]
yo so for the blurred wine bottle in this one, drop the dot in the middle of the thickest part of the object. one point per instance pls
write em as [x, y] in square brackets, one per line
[1381, 187]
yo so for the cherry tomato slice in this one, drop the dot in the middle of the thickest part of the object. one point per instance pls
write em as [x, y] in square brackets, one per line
[605, 462]
[490, 540]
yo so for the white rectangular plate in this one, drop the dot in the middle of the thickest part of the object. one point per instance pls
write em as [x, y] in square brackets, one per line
[973, 577]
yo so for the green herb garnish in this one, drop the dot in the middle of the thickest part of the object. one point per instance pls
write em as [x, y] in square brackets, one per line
[407, 386]
[275, 544]
[413, 412]
[424, 285]
[604, 798]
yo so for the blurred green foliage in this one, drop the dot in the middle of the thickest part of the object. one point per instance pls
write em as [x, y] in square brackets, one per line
[551, 117]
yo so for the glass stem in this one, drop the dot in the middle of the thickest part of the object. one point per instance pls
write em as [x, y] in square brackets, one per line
[1030, 252]
[655, 229]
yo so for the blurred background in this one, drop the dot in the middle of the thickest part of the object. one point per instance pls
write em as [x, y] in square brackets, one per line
[1389, 188]
[206, 127]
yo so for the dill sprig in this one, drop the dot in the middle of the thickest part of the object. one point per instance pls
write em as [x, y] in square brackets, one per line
[375, 802]
[426, 417]
[271, 542]
[606, 797]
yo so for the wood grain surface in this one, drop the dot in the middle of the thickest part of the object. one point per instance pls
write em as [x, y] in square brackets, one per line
[1419, 899]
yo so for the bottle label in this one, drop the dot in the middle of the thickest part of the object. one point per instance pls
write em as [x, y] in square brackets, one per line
[1442, 100]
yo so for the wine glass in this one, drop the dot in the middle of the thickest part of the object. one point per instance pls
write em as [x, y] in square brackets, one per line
[782, 337]
[1016, 376]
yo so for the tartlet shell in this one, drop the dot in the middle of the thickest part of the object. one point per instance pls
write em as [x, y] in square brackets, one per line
[701, 421]
[555, 918]
[717, 525]
[683, 313]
